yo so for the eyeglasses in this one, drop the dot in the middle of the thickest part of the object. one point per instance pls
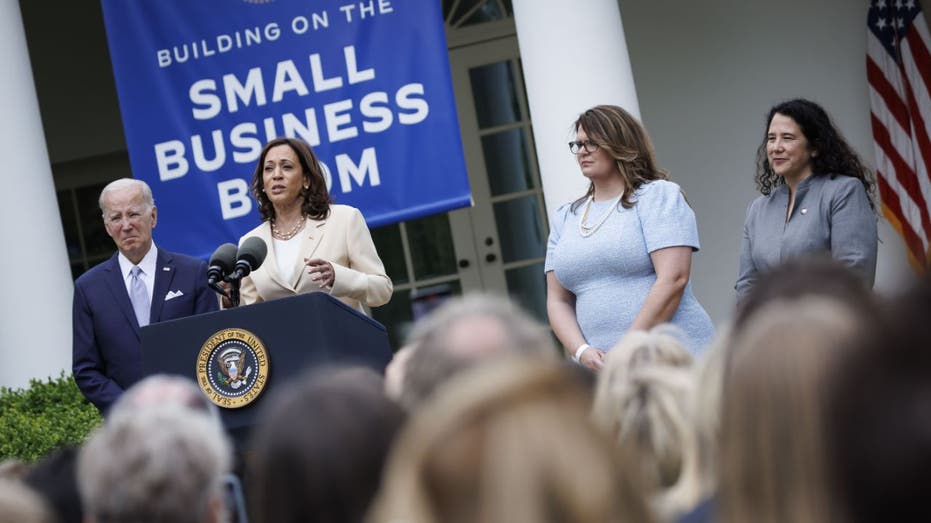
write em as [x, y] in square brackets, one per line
[588, 145]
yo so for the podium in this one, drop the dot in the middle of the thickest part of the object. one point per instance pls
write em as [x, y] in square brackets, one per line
[264, 345]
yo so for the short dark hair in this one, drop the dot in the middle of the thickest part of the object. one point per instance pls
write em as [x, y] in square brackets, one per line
[320, 446]
[55, 478]
[317, 199]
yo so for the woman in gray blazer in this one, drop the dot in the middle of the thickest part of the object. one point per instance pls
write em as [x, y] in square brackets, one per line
[816, 197]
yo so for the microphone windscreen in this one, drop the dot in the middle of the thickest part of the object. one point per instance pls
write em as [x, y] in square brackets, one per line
[252, 251]
[224, 258]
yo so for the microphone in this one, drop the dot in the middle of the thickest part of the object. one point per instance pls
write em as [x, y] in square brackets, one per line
[222, 262]
[249, 258]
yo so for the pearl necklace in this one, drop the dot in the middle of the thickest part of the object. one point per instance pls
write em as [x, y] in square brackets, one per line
[290, 234]
[588, 230]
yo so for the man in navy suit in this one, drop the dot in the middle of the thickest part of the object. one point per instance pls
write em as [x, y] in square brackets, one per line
[140, 284]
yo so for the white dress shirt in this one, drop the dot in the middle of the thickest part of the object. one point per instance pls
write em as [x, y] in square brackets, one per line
[148, 266]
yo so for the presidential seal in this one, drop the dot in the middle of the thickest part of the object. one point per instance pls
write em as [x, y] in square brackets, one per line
[232, 368]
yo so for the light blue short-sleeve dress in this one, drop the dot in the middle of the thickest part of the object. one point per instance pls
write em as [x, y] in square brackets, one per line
[610, 272]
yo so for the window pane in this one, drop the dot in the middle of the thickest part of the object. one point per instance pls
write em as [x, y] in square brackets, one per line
[96, 240]
[391, 251]
[493, 90]
[508, 161]
[521, 231]
[527, 285]
[396, 317]
[431, 244]
[69, 222]
[464, 7]
[426, 299]
[489, 12]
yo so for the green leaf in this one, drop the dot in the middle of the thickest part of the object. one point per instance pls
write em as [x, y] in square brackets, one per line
[46, 416]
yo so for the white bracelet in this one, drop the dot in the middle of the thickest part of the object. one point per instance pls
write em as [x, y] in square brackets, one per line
[578, 352]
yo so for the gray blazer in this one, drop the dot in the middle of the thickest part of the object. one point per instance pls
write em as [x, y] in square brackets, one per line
[832, 214]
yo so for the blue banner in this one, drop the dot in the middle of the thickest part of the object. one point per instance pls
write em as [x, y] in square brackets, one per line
[204, 84]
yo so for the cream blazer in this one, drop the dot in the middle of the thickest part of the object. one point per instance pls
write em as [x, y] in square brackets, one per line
[342, 239]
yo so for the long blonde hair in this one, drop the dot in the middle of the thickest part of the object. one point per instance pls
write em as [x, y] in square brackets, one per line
[510, 441]
[698, 477]
[641, 401]
[773, 460]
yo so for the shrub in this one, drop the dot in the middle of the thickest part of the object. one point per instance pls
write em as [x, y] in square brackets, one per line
[44, 417]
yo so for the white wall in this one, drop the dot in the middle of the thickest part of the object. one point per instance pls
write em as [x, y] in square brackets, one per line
[706, 75]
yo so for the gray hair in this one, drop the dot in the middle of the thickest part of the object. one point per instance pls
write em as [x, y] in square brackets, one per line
[126, 183]
[157, 464]
[161, 390]
[439, 351]
[21, 504]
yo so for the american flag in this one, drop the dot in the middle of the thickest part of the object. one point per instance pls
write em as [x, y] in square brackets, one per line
[898, 66]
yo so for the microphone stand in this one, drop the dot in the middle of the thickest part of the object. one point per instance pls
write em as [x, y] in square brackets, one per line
[234, 289]
[216, 288]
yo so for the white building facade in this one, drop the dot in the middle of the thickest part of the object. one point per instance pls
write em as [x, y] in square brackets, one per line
[700, 75]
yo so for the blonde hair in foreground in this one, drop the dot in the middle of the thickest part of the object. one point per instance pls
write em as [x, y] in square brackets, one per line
[641, 401]
[774, 464]
[508, 442]
[698, 477]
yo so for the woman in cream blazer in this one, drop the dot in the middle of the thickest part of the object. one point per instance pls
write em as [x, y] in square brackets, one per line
[313, 244]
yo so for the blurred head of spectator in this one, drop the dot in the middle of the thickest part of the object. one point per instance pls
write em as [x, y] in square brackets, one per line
[320, 446]
[464, 332]
[155, 462]
[773, 456]
[509, 442]
[880, 430]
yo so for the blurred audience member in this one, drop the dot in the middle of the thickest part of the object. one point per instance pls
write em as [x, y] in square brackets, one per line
[20, 504]
[692, 493]
[640, 401]
[394, 373]
[55, 478]
[319, 448]
[807, 276]
[13, 468]
[511, 442]
[881, 420]
[155, 463]
[773, 455]
[661, 345]
[464, 332]
[164, 390]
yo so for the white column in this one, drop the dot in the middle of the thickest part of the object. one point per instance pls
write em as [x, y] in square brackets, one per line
[574, 57]
[35, 308]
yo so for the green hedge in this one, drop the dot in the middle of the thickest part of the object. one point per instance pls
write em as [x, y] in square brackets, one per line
[44, 417]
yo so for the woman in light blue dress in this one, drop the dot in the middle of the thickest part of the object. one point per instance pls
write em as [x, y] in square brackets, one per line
[619, 258]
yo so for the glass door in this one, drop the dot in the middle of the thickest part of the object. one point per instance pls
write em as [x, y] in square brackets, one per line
[508, 222]
[499, 244]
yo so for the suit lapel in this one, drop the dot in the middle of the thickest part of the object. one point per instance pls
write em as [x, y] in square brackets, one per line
[117, 287]
[164, 274]
[313, 233]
